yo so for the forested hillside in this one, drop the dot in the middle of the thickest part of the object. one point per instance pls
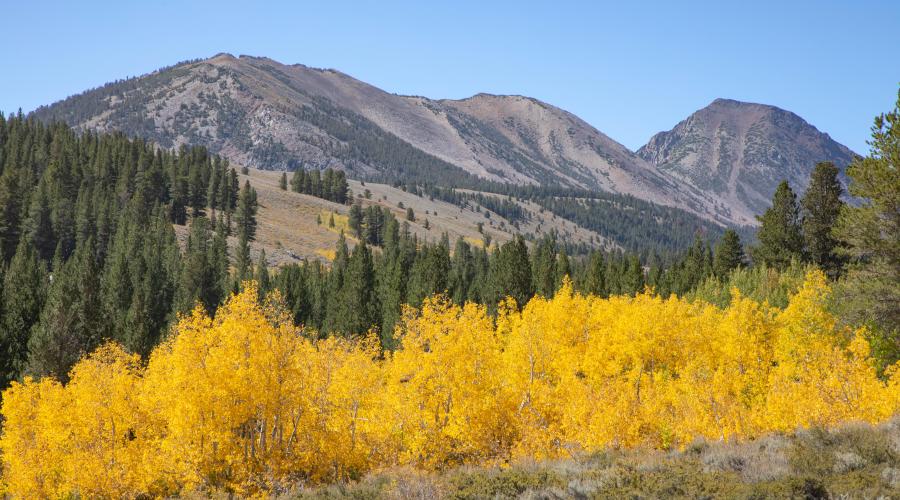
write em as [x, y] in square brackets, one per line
[89, 251]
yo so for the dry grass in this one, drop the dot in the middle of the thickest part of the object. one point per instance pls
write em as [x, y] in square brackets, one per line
[289, 232]
[854, 461]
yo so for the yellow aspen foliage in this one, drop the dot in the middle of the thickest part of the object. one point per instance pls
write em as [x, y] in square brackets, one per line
[445, 384]
[85, 437]
[246, 403]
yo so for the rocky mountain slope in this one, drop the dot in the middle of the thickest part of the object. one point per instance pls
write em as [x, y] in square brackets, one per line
[737, 153]
[267, 115]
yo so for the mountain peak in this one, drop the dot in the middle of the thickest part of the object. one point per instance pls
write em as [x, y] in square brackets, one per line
[737, 152]
[726, 102]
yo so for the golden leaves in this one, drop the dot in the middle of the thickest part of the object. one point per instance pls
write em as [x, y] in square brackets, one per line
[245, 402]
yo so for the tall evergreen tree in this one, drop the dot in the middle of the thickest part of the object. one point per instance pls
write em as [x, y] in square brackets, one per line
[633, 277]
[595, 282]
[262, 274]
[153, 290]
[71, 323]
[870, 234]
[358, 293]
[563, 267]
[242, 263]
[23, 296]
[729, 254]
[510, 274]
[202, 273]
[335, 316]
[245, 216]
[821, 206]
[391, 278]
[429, 274]
[355, 220]
[40, 222]
[462, 272]
[543, 267]
[780, 238]
[10, 212]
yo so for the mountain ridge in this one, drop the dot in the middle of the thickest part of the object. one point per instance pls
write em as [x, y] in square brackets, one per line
[261, 113]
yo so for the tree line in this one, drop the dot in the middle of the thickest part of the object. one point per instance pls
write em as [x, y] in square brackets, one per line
[366, 284]
[88, 247]
[329, 184]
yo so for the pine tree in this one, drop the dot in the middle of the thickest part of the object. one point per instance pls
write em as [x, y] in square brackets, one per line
[335, 316]
[595, 283]
[780, 239]
[510, 273]
[698, 264]
[870, 235]
[10, 212]
[153, 291]
[262, 275]
[62, 217]
[821, 206]
[563, 267]
[229, 190]
[71, 323]
[729, 254]
[297, 180]
[361, 310]
[282, 183]
[245, 216]
[23, 297]
[543, 267]
[39, 225]
[391, 279]
[85, 223]
[197, 189]
[213, 190]
[354, 220]
[242, 263]
[179, 197]
[429, 274]
[217, 258]
[633, 278]
[201, 276]
[124, 267]
[462, 272]
[340, 189]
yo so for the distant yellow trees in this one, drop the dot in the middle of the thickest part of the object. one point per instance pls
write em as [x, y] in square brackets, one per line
[246, 403]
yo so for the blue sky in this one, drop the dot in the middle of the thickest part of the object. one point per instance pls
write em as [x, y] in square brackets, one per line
[630, 69]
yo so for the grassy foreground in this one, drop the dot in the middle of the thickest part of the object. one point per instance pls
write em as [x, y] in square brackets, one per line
[853, 461]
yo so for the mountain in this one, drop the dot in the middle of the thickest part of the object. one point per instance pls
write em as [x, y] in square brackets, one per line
[736, 153]
[267, 115]
[721, 164]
